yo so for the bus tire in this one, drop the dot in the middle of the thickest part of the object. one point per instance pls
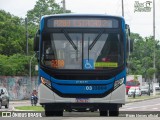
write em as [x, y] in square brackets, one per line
[114, 111]
[58, 113]
[49, 111]
[53, 113]
[104, 113]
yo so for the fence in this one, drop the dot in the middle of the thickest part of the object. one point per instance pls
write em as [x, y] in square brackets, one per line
[19, 87]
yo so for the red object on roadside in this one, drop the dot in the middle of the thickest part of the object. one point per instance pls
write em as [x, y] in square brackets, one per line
[131, 83]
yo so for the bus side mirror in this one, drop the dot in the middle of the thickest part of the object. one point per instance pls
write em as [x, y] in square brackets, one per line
[36, 41]
[131, 45]
[128, 28]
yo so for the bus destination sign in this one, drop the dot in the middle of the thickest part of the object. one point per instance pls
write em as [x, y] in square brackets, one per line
[82, 23]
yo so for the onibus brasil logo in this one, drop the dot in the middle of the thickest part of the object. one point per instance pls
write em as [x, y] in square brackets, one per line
[21, 114]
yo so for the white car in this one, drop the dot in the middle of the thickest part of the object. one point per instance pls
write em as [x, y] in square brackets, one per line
[135, 90]
[145, 90]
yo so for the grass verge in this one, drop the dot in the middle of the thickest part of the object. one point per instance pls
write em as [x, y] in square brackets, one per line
[30, 108]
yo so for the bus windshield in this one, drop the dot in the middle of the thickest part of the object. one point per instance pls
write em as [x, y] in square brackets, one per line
[79, 50]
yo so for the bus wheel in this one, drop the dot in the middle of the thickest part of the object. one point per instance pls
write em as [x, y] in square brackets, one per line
[104, 113]
[58, 113]
[114, 113]
[48, 113]
[53, 113]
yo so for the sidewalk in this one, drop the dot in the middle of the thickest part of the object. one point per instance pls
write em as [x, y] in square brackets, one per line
[19, 101]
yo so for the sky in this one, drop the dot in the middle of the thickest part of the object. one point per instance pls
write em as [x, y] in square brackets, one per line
[140, 22]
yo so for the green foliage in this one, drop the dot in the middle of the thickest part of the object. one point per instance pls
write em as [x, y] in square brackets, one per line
[13, 38]
[13, 65]
[16, 64]
[43, 7]
[150, 72]
[141, 60]
[12, 34]
[13, 45]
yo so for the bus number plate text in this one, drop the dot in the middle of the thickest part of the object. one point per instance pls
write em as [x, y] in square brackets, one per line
[82, 100]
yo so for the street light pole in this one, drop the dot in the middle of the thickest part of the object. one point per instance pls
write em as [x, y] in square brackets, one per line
[26, 25]
[154, 56]
[64, 6]
[122, 8]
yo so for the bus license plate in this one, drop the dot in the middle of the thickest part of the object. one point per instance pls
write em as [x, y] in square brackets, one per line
[82, 100]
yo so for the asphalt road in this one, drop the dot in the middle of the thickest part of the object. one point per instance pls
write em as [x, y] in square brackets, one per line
[148, 110]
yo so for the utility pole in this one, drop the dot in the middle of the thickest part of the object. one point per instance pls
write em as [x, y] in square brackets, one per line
[154, 56]
[154, 49]
[26, 26]
[64, 6]
[122, 8]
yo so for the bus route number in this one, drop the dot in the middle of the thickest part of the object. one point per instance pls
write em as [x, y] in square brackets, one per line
[57, 63]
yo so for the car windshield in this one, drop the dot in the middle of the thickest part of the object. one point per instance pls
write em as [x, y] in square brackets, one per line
[98, 50]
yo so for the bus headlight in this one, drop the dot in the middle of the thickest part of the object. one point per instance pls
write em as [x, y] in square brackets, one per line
[118, 83]
[46, 82]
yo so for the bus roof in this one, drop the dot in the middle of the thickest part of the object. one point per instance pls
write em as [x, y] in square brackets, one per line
[81, 15]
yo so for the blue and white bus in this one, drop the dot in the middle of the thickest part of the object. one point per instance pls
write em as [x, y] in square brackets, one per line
[82, 63]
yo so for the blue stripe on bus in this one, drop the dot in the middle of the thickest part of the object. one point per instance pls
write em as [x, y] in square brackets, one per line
[42, 24]
[123, 25]
[82, 89]
[92, 82]
[83, 86]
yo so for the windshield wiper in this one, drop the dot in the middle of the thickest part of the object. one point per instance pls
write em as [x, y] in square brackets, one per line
[95, 40]
[69, 39]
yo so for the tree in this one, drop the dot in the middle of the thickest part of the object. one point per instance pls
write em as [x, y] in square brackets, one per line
[150, 73]
[43, 7]
[16, 64]
[142, 57]
[12, 34]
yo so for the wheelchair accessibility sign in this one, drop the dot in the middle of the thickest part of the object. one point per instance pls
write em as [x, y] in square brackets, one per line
[88, 64]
